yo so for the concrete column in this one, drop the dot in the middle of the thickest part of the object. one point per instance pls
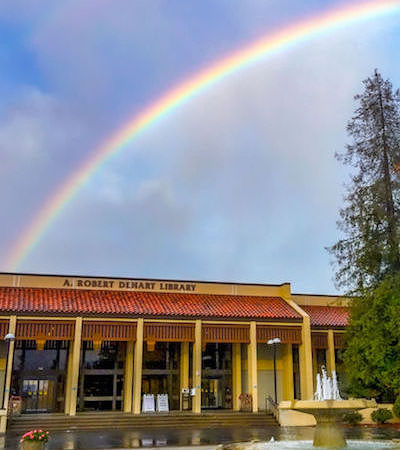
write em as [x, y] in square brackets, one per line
[236, 375]
[196, 399]
[128, 376]
[252, 366]
[288, 385]
[137, 368]
[330, 354]
[314, 364]
[68, 381]
[305, 360]
[10, 359]
[184, 371]
[76, 356]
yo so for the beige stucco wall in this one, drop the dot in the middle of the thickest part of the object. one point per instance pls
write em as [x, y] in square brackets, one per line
[137, 284]
[265, 373]
[200, 287]
[319, 300]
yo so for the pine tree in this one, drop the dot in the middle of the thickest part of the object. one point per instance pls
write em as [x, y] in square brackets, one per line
[370, 218]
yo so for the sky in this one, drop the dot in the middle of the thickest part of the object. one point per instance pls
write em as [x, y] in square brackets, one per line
[238, 184]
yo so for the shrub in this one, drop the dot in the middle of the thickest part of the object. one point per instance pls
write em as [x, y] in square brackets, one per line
[396, 407]
[352, 417]
[381, 415]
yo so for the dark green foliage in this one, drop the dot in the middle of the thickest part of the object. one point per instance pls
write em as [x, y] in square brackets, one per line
[352, 418]
[381, 415]
[370, 218]
[368, 255]
[372, 353]
[396, 407]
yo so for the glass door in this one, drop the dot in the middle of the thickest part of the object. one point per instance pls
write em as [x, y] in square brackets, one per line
[216, 383]
[210, 393]
[38, 395]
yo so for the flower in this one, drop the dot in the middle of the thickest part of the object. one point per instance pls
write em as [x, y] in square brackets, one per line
[35, 435]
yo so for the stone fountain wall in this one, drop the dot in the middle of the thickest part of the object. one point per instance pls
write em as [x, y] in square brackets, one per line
[292, 418]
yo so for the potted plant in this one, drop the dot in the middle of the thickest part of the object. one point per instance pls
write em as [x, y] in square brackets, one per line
[34, 440]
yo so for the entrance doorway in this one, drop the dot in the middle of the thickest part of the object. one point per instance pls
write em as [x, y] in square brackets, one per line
[216, 383]
[101, 377]
[39, 376]
[161, 372]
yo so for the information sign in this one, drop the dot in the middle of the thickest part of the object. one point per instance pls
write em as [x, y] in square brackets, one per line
[148, 403]
[162, 403]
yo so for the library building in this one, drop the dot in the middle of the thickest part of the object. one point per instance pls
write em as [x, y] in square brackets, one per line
[74, 345]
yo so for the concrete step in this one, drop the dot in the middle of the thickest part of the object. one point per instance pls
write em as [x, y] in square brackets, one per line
[95, 421]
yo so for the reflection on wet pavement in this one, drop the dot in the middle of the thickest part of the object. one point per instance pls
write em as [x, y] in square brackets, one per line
[114, 439]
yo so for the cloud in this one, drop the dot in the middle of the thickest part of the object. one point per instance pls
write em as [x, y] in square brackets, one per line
[38, 137]
[28, 128]
[240, 183]
[136, 236]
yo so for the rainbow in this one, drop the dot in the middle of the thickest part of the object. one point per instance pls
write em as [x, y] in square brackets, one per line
[269, 44]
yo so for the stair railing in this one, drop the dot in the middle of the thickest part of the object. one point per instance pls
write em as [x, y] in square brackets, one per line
[272, 407]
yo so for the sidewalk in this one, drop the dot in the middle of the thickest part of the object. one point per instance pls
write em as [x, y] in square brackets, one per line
[206, 439]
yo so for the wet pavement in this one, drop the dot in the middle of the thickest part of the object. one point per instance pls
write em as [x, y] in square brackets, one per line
[206, 439]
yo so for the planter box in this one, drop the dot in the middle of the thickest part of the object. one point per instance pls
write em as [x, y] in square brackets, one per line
[32, 445]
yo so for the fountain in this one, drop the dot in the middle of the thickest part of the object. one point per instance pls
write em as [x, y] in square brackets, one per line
[328, 408]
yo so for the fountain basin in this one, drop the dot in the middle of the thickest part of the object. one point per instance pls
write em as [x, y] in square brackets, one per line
[328, 414]
[306, 445]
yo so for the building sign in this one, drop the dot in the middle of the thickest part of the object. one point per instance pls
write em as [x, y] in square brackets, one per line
[128, 285]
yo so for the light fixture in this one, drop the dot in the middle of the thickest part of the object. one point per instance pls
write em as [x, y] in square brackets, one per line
[9, 337]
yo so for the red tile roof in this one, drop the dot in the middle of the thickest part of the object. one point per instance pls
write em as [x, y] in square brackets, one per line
[327, 316]
[123, 303]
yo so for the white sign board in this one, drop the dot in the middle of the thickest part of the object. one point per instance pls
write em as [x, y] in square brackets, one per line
[162, 403]
[148, 403]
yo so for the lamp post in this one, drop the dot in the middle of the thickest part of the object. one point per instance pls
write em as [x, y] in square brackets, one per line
[9, 337]
[274, 343]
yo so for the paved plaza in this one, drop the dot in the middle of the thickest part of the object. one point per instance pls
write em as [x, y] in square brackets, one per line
[150, 438]
[194, 439]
